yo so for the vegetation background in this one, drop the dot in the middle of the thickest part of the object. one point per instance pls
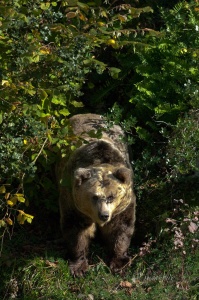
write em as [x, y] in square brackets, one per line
[137, 63]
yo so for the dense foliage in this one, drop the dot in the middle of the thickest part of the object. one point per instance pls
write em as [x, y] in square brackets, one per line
[47, 51]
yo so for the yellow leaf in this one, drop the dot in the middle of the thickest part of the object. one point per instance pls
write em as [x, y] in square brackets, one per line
[101, 24]
[20, 219]
[10, 203]
[2, 189]
[29, 216]
[9, 221]
[29, 220]
[122, 18]
[103, 13]
[82, 17]
[44, 51]
[20, 197]
[13, 200]
[25, 142]
[71, 15]
[110, 42]
[51, 264]
[5, 82]
[7, 195]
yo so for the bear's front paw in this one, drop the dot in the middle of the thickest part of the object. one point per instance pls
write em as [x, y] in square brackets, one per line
[118, 264]
[78, 267]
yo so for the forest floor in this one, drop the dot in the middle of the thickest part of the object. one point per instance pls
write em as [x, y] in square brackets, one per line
[164, 251]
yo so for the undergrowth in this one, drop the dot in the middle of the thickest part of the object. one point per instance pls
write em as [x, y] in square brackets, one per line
[164, 251]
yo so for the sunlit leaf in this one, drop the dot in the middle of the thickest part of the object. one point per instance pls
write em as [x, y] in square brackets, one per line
[71, 15]
[7, 195]
[45, 6]
[21, 199]
[122, 18]
[65, 112]
[114, 72]
[2, 223]
[5, 82]
[77, 103]
[59, 100]
[22, 217]
[2, 189]
[9, 221]
[12, 201]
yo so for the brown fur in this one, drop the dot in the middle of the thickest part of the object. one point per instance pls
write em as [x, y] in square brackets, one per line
[96, 192]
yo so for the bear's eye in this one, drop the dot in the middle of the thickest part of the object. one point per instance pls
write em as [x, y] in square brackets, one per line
[95, 198]
[110, 198]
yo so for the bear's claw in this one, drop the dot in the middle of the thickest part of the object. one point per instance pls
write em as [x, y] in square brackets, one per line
[78, 267]
[118, 264]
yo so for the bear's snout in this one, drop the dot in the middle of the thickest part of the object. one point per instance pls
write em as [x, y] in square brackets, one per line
[104, 216]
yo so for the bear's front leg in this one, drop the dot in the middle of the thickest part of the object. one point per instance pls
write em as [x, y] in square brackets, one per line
[77, 243]
[117, 235]
[78, 266]
[77, 236]
[119, 258]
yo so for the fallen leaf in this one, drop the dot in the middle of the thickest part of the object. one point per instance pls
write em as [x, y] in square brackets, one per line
[51, 264]
[192, 227]
[125, 284]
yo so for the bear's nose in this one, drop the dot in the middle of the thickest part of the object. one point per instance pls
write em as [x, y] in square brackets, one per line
[104, 216]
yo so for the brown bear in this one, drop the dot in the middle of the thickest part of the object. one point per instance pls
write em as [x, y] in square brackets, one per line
[96, 193]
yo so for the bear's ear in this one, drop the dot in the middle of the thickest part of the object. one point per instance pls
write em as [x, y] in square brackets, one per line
[123, 174]
[82, 174]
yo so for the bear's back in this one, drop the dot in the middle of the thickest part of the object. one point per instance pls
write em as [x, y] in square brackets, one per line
[84, 125]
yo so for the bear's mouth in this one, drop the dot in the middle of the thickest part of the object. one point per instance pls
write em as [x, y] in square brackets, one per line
[102, 223]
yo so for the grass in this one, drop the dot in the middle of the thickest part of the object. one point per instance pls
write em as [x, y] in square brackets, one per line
[30, 268]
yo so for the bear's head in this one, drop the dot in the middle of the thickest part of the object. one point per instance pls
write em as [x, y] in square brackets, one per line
[102, 192]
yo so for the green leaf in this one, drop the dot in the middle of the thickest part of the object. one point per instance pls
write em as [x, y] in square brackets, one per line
[65, 112]
[73, 148]
[42, 114]
[33, 156]
[59, 100]
[147, 9]
[45, 6]
[77, 103]
[2, 223]
[114, 72]
[42, 93]
[83, 6]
